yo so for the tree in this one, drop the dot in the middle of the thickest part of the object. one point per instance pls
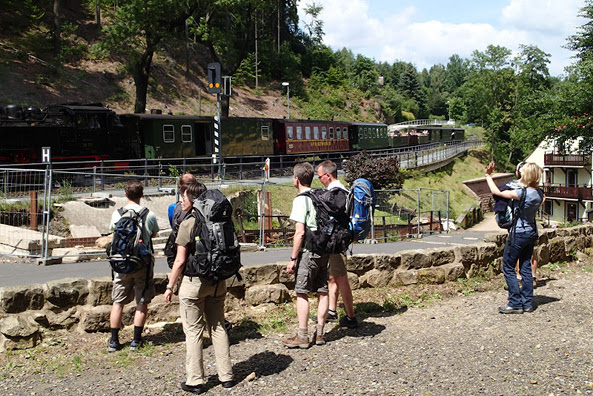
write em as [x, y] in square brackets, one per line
[382, 172]
[138, 29]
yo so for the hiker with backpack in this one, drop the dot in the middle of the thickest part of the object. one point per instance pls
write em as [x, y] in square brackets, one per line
[503, 209]
[327, 172]
[202, 295]
[522, 237]
[310, 268]
[132, 262]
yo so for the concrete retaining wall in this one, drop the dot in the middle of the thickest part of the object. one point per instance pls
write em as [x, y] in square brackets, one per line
[84, 305]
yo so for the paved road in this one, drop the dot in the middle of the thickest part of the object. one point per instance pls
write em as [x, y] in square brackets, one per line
[26, 273]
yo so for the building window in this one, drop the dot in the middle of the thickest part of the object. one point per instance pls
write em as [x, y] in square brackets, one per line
[265, 132]
[186, 134]
[168, 134]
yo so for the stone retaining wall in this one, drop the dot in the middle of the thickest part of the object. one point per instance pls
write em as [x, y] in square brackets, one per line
[84, 305]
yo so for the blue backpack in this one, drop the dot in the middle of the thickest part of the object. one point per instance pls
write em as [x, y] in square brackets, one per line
[361, 206]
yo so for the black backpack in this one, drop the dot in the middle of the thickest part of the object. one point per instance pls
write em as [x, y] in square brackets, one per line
[170, 249]
[127, 253]
[507, 219]
[333, 234]
[216, 254]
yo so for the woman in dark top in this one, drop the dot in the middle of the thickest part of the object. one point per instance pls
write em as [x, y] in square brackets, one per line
[522, 238]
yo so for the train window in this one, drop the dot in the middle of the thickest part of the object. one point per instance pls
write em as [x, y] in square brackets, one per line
[315, 132]
[364, 133]
[345, 130]
[331, 132]
[299, 133]
[323, 133]
[289, 133]
[186, 134]
[168, 134]
[338, 133]
[308, 132]
[265, 132]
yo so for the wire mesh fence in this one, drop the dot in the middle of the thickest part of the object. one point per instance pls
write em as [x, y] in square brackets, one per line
[36, 201]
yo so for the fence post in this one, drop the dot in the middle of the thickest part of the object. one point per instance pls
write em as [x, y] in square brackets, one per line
[145, 172]
[33, 211]
[160, 174]
[102, 176]
[94, 179]
[418, 213]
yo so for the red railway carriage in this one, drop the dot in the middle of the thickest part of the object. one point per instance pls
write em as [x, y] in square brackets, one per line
[306, 136]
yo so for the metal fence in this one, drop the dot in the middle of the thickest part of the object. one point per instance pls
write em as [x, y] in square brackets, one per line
[34, 199]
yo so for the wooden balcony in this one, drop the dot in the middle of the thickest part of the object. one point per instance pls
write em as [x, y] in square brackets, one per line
[578, 193]
[567, 160]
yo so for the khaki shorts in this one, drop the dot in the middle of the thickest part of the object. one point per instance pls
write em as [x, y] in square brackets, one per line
[337, 264]
[126, 286]
[312, 273]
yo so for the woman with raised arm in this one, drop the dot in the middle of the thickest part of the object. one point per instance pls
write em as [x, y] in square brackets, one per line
[522, 237]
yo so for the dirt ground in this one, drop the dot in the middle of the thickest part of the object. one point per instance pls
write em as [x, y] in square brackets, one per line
[434, 340]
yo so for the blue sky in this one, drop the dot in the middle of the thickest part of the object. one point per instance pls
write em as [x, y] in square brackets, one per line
[428, 32]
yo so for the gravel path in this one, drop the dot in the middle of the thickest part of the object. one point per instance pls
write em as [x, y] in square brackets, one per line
[459, 346]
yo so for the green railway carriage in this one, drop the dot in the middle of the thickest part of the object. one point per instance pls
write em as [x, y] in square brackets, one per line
[247, 136]
[364, 136]
[169, 136]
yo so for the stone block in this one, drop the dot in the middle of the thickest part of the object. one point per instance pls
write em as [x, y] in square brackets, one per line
[405, 277]
[441, 256]
[93, 319]
[262, 294]
[14, 299]
[63, 319]
[387, 262]
[265, 274]
[359, 263]
[100, 291]
[160, 311]
[376, 278]
[453, 271]
[557, 250]
[414, 259]
[66, 293]
[431, 276]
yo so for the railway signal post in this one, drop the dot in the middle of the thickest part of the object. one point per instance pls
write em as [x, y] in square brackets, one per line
[215, 87]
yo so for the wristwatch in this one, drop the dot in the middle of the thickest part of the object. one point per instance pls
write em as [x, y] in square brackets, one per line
[293, 258]
[169, 287]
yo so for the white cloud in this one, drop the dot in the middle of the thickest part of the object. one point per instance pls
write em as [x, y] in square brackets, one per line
[403, 35]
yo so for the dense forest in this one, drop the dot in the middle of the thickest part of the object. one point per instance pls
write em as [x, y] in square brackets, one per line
[261, 43]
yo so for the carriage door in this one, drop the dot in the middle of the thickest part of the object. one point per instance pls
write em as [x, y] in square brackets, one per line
[203, 138]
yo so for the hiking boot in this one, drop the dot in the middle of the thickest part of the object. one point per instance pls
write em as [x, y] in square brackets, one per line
[296, 342]
[332, 317]
[136, 344]
[193, 388]
[347, 321]
[507, 309]
[228, 384]
[319, 340]
[528, 310]
[113, 346]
